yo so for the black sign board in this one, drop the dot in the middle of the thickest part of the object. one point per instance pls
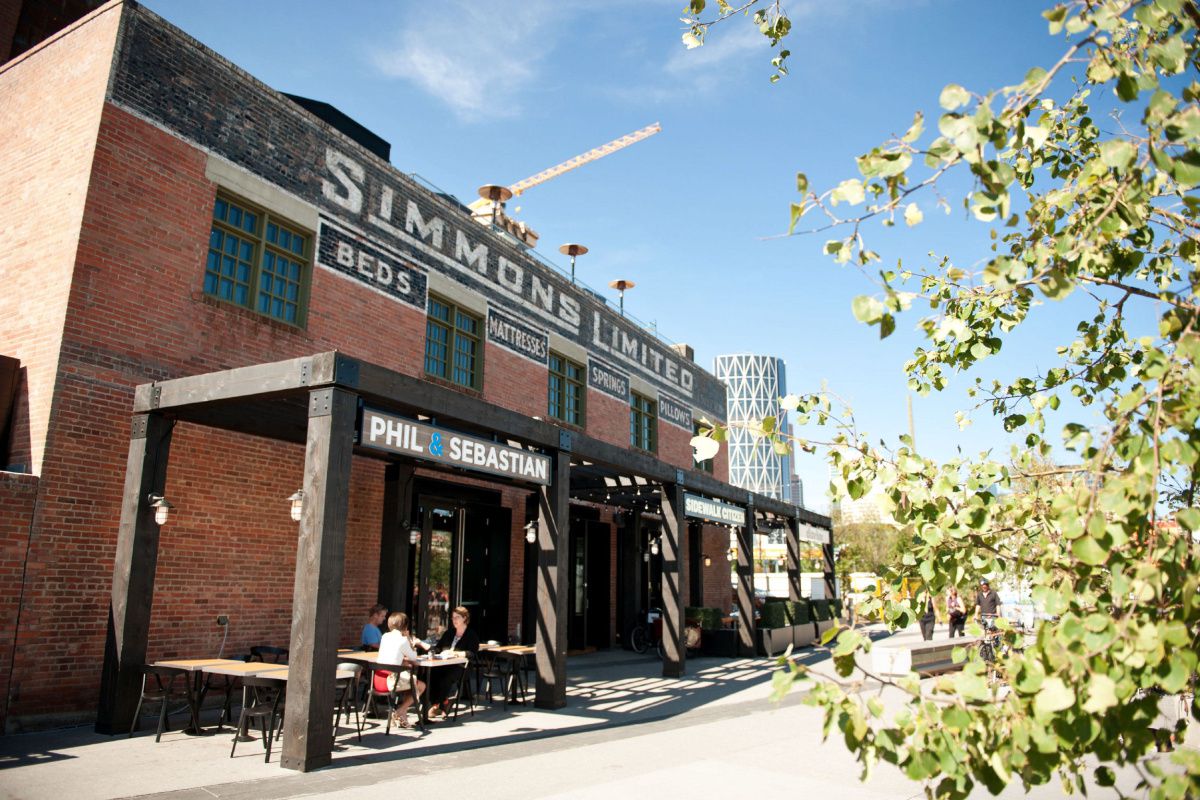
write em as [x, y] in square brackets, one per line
[713, 510]
[523, 340]
[608, 380]
[350, 255]
[674, 412]
[394, 434]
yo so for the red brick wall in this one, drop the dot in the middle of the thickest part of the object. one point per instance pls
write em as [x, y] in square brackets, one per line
[18, 495]
[43, 182]
[514, 382]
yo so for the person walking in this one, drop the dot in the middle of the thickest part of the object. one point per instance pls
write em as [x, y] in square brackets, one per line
[957, 610]
[928, 618]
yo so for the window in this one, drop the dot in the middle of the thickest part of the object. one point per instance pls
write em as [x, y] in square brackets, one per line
[452, 345]
[566, 389]
[643, 416]
[257, 261]
[706, 465]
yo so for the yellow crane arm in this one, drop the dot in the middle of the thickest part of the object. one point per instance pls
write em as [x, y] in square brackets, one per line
[578, 161]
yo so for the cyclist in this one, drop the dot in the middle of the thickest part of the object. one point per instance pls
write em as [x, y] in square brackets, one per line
[987, 605]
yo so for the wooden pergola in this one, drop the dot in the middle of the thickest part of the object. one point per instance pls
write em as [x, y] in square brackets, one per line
[314, 400]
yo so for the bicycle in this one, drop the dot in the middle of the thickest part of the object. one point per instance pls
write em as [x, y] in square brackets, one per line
[648, 633]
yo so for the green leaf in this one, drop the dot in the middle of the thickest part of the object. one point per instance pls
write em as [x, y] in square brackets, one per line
[914, 130]
[849, 191]
[954, 96]
[1054, 696]
[867, 309]
[801, 183]
[1088, 551]
[1117, 153]
[1102, 694]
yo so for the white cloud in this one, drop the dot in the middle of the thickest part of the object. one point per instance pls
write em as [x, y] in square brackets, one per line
[477, 58]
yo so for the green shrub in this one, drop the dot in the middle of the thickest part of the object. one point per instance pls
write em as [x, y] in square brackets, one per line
[822, 610]
[713, 619]
[799, 612]
[774, 615]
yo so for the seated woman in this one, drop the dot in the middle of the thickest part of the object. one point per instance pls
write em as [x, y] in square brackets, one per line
[444, 682]
[396, 646]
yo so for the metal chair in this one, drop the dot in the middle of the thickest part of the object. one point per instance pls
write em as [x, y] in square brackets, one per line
[158, 686]
[262, 699]
[380, 686]
[346, 697]
[278, 655]
[491, 669]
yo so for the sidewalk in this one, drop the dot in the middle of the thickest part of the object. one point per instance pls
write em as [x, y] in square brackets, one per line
[606, 690]
[714, 733]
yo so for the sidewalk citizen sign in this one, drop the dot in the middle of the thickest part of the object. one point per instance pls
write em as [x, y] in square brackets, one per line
[713, 510]
[809, 533]
[406, 437]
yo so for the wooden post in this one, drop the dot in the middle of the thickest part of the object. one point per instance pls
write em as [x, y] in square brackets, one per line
[553, 544]
[745, 585]
[317, 596]
[793, 559]
[133, 574]
[674, 559]
[394, 546]
[830, 576]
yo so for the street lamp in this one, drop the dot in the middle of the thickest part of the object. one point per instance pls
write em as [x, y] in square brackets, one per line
[297, 501]
[162, 509]
[531, 531]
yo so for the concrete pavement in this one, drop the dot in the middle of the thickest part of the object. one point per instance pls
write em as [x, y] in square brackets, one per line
[712, 734]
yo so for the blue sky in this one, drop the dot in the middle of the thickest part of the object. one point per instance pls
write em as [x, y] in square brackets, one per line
[474, 93]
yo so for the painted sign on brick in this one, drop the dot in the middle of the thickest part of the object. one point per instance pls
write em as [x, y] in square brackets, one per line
[608, 380]
[518, 337]
[674, 412]
[341, 252]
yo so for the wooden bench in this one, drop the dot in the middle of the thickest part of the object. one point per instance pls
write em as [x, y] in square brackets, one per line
[923, 658]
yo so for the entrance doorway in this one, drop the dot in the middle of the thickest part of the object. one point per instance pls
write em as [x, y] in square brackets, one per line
[462, 561]
[588, 603]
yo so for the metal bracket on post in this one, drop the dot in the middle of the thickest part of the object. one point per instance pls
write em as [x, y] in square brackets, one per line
[155, 396]
[345, 372]
[564, 441]
[679, 477]
[137, 429]
[320, 403]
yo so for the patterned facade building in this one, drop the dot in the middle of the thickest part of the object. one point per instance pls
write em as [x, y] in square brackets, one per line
[754, 384]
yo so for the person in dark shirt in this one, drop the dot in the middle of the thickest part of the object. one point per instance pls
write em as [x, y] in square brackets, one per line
[928, 619]
[987, 604]
[458, 637]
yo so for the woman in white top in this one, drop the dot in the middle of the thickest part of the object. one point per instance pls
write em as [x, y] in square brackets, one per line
[395, 646]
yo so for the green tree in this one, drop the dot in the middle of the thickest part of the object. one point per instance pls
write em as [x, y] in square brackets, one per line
[1109, 218]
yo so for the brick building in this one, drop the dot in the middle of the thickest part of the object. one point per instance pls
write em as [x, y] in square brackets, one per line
[173, 224]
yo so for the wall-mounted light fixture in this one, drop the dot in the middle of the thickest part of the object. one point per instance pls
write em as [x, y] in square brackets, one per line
[162, 509]
[531, 531]
[730, 555]
[654, 547]
[297, 501]
[707, 560]
[414, 535]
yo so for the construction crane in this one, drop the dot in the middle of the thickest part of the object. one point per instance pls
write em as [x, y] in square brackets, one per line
[485, 203]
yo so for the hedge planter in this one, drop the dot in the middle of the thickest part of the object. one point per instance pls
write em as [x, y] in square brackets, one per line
[774, 641]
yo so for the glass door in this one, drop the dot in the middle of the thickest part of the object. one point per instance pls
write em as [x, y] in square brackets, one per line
[437, 592]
